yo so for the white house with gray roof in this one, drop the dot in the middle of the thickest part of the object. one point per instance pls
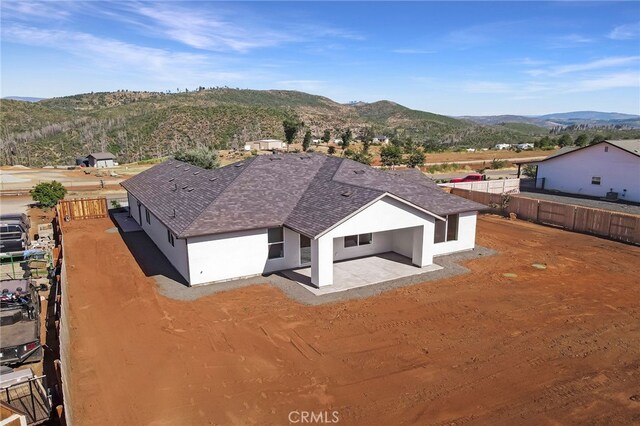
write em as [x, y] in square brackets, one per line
[280, 212]
[608, 168]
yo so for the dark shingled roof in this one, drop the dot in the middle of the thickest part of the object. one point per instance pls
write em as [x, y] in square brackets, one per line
[308, 193]
[102, 155]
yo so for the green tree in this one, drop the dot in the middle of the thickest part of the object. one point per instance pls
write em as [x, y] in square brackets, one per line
[544, 142]
[565, 140]
[362, 156]
[200, 156]
[581, 140]
[47, 194]
[326, 137]
[416, 158]
[306, 142]
[346, 138]
[596, 139]
[291, 126]
[391, 155]
[331, 150]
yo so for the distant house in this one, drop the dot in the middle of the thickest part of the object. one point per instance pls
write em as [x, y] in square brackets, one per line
[381, 139]
[277, 212]
[101, 160]
[265, 145]
[608, 169]
[502, 146]
[524, 146]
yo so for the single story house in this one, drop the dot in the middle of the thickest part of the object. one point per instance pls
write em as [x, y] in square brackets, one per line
[101, 159]
[381, 139]
[265, 145]
[279, 212]
[502, 146]
[608, 169]
[524, 146]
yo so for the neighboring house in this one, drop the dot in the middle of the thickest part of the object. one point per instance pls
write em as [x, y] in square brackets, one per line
[381, 139]
[278, 212]
[609, 168]
[524, 146]
[502, 146]
[100, 159]
[265, 145]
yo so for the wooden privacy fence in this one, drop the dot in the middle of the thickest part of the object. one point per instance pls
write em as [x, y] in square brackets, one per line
[617, 226]
[83, 208]
[498, 186]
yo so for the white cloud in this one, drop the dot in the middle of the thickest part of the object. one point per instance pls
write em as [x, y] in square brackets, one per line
[605, 82]
[609, 62]
[23, 10]
[154, 64]
[569, 41]
[625, 32]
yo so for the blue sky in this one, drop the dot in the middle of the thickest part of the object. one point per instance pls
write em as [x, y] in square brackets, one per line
[455, 58]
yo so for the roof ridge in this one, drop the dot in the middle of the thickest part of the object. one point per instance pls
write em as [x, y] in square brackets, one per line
[307, 188]
[250, 160]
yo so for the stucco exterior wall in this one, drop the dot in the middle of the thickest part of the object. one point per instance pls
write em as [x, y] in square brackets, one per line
[466, 236]
[572, 173]
[176, 254]
[238, 254]
[381, 242]
[100, 164]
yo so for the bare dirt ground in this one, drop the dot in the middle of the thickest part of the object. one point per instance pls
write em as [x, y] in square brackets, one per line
[559, 345]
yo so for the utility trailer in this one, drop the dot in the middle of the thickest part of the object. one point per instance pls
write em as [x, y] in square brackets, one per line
[19, 322]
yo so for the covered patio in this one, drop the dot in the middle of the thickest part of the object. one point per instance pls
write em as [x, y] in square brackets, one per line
[360, 272]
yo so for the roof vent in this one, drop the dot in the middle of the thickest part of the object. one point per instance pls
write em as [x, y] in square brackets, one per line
[190, 189]
[347, 193]
[169, 162]
[275, 157]
[195, 173]
[305, 157]
[186, 169]
[175, 187]
[213, 179]
[174, 213]
[358, 172]
[239, 165]
[185, 187]
[172, 179]
[178, 166]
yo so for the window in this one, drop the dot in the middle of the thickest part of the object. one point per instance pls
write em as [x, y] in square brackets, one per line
[170, 238]
[595, 180]
[358, 240]
[447, 230]
[147, 215]
[275, 239]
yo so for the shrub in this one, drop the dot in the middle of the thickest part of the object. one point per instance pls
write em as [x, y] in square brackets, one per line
[332, 150]
[204, 157]
[498, 164]
[47, 194]
[115, 204]
[529, 170]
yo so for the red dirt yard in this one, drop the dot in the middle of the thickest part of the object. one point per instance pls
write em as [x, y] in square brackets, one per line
[555, 345]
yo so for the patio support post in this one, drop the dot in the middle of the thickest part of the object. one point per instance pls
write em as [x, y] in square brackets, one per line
[322, 261]
[423, 245]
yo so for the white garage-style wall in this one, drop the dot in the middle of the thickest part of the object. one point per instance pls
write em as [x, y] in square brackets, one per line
[617, 169]
[238, 254]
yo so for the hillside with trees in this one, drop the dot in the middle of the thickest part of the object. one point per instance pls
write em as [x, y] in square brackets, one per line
[138, 126]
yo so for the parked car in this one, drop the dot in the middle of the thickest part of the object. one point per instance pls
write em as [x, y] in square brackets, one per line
[19, 322]
[473, 177]
[14, 232]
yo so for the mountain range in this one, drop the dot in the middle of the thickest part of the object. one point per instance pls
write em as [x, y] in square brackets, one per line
[141, 125]
[573, 118]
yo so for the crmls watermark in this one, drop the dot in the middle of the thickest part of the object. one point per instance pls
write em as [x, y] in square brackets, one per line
[314, 417]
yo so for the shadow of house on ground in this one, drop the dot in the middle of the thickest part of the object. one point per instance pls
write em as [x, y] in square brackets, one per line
[151, 260]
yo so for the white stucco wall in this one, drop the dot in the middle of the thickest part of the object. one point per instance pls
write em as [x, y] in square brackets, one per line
[402, 242]
[238, 254]
[133, 207]
[572, 173]
[381, 242]
[466, 236]
[176, 254]
[100, 164]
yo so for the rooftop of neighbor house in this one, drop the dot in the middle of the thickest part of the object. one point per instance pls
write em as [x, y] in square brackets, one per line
[630, 145]
[308, 193]
[102, 155]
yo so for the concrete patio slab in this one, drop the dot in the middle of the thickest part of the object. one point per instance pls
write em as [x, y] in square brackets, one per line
[354, 273]
[126, 223]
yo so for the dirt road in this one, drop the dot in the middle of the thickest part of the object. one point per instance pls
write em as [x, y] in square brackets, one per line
[559, 345]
